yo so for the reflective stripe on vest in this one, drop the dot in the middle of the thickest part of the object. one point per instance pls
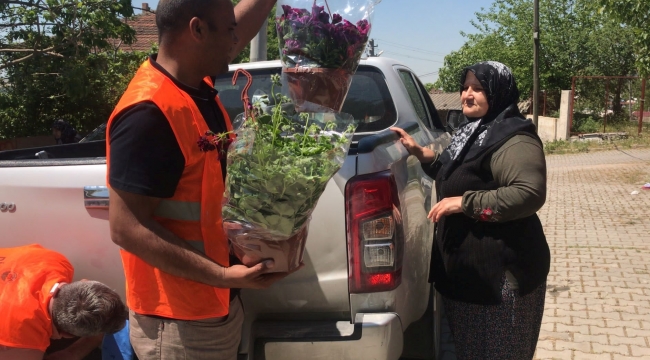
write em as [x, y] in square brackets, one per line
[193, 213]
[179, 210]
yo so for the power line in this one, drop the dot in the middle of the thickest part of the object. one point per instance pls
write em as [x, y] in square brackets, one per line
[409, 49]
[413, 57]
[413, 48]
[428, 74]
[406, 46]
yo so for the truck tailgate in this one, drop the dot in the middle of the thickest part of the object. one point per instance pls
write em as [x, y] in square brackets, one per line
[319, 290]
[50, 210]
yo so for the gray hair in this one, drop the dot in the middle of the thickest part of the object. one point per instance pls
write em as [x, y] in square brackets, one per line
[88, 308]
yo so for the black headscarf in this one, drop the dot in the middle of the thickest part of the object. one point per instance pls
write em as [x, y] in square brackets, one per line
[68, 133]
[503, 119]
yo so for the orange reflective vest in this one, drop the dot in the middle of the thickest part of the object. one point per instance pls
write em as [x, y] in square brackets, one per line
[193, 213]
[27, 275]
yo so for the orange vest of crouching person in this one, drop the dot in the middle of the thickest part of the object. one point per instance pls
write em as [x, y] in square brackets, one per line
[39, 302]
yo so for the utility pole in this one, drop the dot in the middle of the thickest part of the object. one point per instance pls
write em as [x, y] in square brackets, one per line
[536, 62]
[642, 109]
[629, 98]
[258, 45]
[371, 48]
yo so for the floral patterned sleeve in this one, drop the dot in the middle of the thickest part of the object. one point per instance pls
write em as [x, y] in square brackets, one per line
[519, 167]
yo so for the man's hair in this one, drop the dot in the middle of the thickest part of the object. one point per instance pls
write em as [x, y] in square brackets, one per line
[88, 308]
[173, 16]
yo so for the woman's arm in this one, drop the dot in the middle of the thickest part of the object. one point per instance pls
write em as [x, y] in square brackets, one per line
[427, 157]
[519, 167]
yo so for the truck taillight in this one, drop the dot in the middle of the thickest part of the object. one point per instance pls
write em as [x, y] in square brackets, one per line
[374, 230]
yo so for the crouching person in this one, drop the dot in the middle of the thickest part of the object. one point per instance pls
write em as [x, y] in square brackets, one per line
[39, 302]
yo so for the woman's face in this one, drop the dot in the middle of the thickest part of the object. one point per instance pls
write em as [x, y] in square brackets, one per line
[473, 98]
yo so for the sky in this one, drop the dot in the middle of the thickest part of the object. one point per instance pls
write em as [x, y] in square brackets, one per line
[418, 33]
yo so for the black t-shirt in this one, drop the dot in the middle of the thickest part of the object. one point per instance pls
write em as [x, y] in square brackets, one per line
[145, 156]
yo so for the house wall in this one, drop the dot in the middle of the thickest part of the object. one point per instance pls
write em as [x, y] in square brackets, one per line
[552, 129]
[27, 142]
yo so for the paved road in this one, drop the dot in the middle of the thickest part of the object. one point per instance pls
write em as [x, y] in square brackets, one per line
[598, 299]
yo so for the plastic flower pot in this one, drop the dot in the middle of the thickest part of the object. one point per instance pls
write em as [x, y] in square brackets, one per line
[251, 247]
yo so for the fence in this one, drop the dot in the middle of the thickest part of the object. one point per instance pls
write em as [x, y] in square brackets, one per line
[600, 101]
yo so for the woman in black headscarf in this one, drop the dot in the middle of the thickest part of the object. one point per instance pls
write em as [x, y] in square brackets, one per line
[64, 133]
[490, 258]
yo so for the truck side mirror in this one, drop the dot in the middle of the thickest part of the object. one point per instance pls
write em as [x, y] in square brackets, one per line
[454, 119]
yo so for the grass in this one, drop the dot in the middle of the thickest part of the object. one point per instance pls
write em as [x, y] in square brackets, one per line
[633, 141]
[633, 177]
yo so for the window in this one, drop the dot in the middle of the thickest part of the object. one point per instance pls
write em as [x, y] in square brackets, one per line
[415, 96]
[368, 100]
[436, 121]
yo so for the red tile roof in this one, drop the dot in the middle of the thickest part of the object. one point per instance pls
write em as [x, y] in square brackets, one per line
[146, 32]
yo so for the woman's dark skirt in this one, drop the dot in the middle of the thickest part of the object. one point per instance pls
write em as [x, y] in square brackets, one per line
[508, 331]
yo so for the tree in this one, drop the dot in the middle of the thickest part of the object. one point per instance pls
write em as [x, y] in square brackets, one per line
[636, 14]
[574, 41]
[61, 59]
[429, 86]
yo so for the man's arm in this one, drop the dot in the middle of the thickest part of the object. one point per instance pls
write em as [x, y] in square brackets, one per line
[78, 350]
[134, 229]
[250, 15]
[7, 353]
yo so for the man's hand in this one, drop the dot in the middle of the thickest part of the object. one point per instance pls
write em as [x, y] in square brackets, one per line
[8, 353]
[78, 350]
[255, 277]
[446, 206]
[63, 355]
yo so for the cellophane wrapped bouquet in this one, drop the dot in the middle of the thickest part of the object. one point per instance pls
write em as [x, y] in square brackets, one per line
[321, 43]
[278, 168]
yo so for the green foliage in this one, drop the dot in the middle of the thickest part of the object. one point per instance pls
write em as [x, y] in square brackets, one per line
[429, 86]
[59, 59]
[633, 13]
[575, 40]
[280, 164]
[584, 124]
[80, 91]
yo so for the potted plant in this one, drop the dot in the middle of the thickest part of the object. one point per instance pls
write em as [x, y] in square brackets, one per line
[278, 168]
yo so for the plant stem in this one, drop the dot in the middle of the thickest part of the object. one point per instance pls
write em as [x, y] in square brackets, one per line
[302, 143]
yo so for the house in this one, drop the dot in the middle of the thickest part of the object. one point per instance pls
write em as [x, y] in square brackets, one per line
[646, 115]
[451, 101]
[146, 32]
[445, 102]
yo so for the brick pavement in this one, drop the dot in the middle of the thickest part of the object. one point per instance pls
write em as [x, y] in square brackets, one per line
[598, 297]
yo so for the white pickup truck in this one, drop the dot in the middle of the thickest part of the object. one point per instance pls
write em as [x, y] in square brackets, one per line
[345, 303]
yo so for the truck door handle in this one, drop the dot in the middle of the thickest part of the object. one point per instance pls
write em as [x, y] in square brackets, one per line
[96, 197]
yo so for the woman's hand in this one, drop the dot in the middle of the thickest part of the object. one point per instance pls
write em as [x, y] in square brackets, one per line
[423, 154]
[409, 143]
[446, 206]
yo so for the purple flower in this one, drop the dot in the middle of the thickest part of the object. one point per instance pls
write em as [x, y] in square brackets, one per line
[318, 14]
[328, 39]
[364, 27]
[292, 45]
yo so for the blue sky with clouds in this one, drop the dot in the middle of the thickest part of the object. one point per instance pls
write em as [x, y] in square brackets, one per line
[419, 33]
